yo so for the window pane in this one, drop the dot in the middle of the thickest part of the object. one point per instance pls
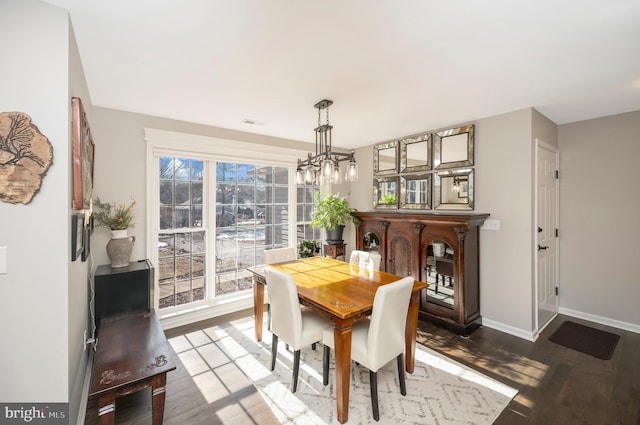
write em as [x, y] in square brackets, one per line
[196, 216]
[182, 168]
[246, 173]
[280, 175]
[280, 214]
[281, 195]
[225, 193]
[197, 168]
[246, 194]
[182, 217]
[166, 168]
[165, 246]
[166, 192]
[225, 172]
[182, 193]
[264, 174]
[225, 216]
[198, 242]
[167, 217]
[196, 193]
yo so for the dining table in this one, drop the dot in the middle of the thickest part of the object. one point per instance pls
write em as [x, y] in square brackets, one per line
[344, 294]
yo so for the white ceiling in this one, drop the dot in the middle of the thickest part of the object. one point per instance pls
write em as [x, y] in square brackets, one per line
[392, 67]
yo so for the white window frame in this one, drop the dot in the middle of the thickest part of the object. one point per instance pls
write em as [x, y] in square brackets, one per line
[175, 144]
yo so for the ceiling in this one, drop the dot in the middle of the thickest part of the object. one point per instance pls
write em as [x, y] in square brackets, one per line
[392, 67]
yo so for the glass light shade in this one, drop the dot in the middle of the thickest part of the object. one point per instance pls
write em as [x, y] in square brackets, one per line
[336, 177]
[309, 176]
[351, 174]
[299, 176]
[327, 167]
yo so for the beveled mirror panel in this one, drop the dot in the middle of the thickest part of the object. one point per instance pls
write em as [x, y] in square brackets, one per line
[385, 192]
[453, 190]
[415, 153]
[415, 191]
[453, 148]
[385, 158]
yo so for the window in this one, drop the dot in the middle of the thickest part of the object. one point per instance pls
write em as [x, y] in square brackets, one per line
[213, 207]
[181, 239]
[306, 195]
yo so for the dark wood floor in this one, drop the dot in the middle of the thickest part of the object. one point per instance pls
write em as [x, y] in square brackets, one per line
[556, 385]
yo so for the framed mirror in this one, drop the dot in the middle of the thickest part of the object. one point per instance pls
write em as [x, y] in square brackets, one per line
[385, 192]
[385, 158]
[453, 148]
[415, 191]
[415, 154]
[453, 190]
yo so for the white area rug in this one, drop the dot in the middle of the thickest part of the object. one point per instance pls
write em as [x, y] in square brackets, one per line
[440, 391]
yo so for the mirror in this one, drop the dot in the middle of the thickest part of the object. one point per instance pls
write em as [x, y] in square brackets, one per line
[453, 148]
[439, 274]
[385, 158]
[415, 153]
[415, 191]
[385, 192]
[453, 190]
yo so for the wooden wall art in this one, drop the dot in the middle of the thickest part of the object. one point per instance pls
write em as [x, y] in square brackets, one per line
[25, 157]
[83, 149]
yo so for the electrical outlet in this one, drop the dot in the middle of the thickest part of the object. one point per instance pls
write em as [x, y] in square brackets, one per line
[491, 225]
[84, 341]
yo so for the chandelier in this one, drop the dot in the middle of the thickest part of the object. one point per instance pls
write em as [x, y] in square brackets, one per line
[325, 164]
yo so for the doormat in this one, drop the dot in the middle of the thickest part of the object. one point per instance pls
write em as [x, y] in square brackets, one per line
[585, 339]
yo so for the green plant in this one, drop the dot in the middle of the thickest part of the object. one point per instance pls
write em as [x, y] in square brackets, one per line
[112, 216]
[308, 248]
[387, 200]
[331, 211]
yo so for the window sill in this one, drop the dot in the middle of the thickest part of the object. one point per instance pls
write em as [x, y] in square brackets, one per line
[169, 320]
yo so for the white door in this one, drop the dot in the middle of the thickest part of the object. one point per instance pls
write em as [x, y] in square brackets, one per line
[546, 233]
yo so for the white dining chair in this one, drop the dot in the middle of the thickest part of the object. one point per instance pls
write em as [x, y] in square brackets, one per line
[272, 256]
[297, 327]
[279, 255]
[379, 339]
[358, 258]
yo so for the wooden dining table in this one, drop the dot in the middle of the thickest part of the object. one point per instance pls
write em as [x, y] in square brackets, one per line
[344, 294]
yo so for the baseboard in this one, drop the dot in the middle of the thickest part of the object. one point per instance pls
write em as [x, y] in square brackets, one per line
[82, 409]
[528, 335]
[601, 320]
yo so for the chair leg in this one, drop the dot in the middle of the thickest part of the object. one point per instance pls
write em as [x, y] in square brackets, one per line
[403, 386]
[325, 365]
[274, 350]
[373, 381]
[269, 316]
[296, 367]
[313, 346]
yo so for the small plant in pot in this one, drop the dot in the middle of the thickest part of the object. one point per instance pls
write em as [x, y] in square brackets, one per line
[331, 213]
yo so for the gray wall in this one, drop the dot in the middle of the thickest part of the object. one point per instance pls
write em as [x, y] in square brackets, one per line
[600, 206]
[34, 303]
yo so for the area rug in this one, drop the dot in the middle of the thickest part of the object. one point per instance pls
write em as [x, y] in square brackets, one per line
[585, 339]
[440, 391]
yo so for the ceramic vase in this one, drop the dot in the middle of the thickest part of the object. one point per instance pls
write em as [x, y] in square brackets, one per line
[119, 248]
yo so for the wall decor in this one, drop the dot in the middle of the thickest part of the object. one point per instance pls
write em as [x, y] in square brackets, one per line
[86, 235]
[83, 152]
[385, 192]
[77, 235]
[415, 191]
[453, 147]
[415, 153]
[25, 157]
[453, 190]
[385, 158]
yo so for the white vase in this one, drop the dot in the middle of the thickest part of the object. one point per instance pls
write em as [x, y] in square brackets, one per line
[119, 248]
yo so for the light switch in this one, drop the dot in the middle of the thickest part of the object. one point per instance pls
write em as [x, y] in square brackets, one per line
[3, 260]
[491, 225]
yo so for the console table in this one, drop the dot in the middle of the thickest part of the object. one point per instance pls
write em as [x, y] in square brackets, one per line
[132, 354]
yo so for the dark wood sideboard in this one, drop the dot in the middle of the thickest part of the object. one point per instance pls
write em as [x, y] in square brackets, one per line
[440, 249]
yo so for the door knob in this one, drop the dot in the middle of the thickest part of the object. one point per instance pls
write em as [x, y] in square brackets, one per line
[542, 247]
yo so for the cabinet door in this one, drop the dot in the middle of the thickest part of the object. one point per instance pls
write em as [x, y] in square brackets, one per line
[402, 249]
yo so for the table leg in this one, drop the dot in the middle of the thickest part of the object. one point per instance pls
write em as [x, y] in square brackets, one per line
[342, 341]
[258, 308]
[411, 329]
[107, 409]
[158, 390]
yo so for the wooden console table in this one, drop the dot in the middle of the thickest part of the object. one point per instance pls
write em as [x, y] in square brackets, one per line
[132, 354]
[335, 250]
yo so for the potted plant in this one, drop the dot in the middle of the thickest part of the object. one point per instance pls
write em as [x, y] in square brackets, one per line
[331, 213]
[118, 219]
[308, 248]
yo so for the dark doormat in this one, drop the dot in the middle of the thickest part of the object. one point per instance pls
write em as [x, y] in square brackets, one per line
[587, 340]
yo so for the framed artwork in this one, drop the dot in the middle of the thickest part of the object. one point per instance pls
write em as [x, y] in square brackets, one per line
[86, 237]
[77, 235]
[83, 152]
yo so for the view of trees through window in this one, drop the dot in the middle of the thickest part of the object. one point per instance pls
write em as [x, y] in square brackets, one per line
[251, 210]
[181, 239]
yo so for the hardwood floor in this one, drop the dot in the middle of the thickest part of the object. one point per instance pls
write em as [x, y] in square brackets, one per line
[556, 385]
